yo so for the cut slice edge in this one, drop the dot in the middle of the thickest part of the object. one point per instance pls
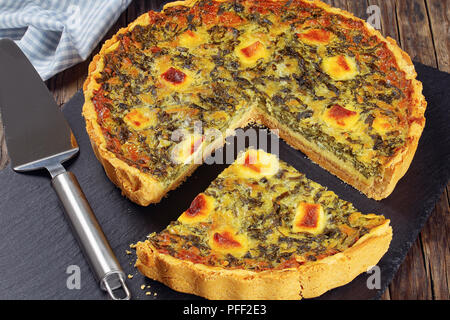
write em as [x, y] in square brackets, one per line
[304, 279]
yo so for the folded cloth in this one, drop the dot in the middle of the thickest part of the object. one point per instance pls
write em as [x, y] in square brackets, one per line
[57, 34]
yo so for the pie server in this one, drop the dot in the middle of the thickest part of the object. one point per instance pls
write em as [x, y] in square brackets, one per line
[38, 137]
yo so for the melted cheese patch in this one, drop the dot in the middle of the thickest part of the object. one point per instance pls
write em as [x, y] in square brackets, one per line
[381, 124]
[315, 36]
[278, 29]
[141, 118]
[188, 150]
[174, 76]
[199, 210]
[340, 67]
[340, 117]
[147, 98]
[190, 39]
[226, 240]
[309, 218]
[176, 79]
[251, 50]
[256, 164]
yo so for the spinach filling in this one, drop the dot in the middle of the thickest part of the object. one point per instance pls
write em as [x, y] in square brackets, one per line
[228, 83]
[267, 223]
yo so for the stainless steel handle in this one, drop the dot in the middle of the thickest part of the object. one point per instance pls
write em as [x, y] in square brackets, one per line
[89, 234]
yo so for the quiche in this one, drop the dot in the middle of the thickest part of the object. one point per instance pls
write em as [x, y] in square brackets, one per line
[262, 230]
[330, 84]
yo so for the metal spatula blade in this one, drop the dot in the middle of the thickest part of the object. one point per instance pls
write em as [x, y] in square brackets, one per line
[35, 130]
[37, 137]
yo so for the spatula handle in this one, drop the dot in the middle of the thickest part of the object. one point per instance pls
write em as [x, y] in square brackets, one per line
[89, 234]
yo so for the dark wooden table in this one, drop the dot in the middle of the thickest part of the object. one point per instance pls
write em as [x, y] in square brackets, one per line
[421, 28]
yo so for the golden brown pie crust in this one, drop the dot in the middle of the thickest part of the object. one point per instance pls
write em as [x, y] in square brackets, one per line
[144, 189]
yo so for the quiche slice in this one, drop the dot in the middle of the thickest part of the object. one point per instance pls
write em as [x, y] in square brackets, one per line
[262, 230]
[332, 86]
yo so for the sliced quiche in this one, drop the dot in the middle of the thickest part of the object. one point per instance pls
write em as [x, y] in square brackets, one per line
[262, 230]
[330, 83]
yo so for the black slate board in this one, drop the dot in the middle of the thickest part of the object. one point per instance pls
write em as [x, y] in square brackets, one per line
[37, 246]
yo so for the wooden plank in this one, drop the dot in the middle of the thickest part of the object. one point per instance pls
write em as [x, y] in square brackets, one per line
[388, 18]
[65, 84]
[411, 281]
[386, 295]
[415, 32]
[435, 244]
[448, 193]
[55, 85]
[136, 8]
[439, 13]
[342, 4]
[358, 8]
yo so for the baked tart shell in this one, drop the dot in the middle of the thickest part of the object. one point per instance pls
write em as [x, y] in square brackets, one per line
[143, 188]
[309, 280]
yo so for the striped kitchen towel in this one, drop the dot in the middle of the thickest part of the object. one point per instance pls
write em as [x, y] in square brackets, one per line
[56, 34]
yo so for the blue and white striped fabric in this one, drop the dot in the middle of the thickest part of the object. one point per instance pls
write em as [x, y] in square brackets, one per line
[56, 34]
